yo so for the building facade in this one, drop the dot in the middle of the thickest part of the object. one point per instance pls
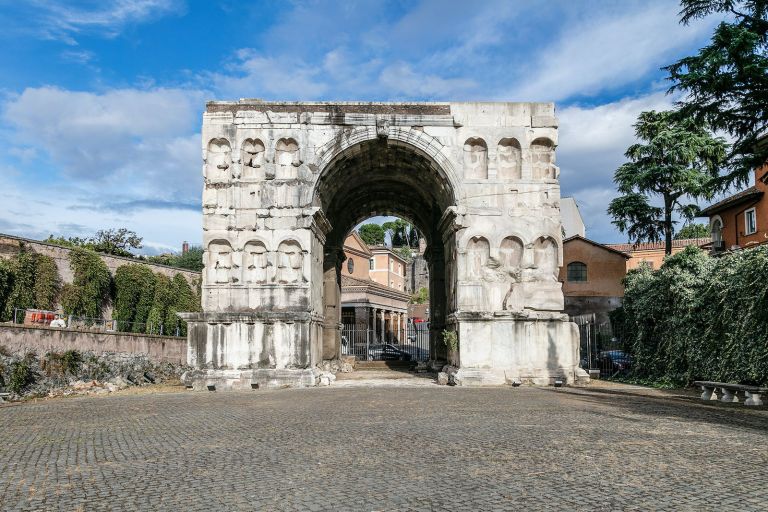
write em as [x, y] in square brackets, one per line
[366, 303]
[741, 220]
[592, 275]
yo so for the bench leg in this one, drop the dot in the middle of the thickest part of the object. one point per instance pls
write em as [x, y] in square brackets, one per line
[752, 398]
[707, 393]
[729, 396]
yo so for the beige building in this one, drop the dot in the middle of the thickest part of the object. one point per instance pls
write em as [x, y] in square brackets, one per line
[652, 253]
[367, 301]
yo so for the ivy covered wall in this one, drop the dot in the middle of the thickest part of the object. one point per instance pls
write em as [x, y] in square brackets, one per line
[699, 318]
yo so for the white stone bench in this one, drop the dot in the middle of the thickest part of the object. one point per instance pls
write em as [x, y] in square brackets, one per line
[4, 396]
[730, 392]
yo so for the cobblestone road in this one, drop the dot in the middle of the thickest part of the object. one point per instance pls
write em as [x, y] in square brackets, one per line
[383, 449]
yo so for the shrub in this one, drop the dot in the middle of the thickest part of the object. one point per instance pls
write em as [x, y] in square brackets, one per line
[700, 318]
[62, 364]
[22, 375]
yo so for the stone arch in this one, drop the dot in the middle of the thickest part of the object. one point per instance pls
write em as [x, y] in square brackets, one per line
[510, 159]
[475, 159]
[511, 252]
[290, 262]
[545, 257]
[420, 143]
[218, 160]
[543, 159]
[220, 262]
[478, 254]
[256, 262]
[252, 156]
[716, 230]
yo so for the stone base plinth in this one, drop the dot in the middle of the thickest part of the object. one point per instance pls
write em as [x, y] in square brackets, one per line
[235, 380]
[534, 350]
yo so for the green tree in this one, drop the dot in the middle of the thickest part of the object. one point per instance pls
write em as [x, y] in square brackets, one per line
[116, 241]
[372, 234]
[91, 284]
[420, 297]
[693, 230]
[679, 161]
[726, 84]
[192, 259]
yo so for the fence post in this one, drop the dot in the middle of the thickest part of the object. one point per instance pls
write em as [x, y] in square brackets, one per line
[367, 343]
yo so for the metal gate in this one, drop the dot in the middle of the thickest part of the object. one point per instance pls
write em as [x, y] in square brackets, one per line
[602, 347]
[368, 345]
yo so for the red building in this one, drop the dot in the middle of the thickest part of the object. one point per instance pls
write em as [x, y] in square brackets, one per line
[741, 220]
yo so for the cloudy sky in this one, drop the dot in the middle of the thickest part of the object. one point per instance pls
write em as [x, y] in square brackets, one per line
[101, 101]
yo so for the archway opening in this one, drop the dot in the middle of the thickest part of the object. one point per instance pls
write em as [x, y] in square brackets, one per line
[384, 177]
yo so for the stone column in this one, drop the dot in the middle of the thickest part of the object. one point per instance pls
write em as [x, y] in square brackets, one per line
[383, 326]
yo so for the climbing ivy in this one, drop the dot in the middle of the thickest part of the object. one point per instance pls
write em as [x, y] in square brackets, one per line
[185, 300]
[699, 318]
[6, 285]
[47, 283]
[134, 296]
[91, 284]
[161, 303]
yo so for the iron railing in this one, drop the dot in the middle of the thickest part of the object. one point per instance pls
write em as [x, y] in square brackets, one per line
[45, 318]
[603, 347]
[370, 345]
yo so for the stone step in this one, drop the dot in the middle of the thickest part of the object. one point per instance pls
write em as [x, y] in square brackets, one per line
[379, 365]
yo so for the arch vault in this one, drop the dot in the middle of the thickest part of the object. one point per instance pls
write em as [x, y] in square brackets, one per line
[284, 184]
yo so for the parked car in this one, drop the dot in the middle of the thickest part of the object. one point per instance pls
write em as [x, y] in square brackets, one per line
[416, 353]
[614, 361]
[387, 352]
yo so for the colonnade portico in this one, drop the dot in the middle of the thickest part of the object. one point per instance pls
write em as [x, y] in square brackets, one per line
[386, 324]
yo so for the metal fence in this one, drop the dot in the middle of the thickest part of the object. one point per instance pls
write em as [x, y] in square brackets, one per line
[368, 345]
[64, 321]
[603, 347]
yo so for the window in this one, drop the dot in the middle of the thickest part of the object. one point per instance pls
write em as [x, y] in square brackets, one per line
[577, 271]
[750, 221]
[371, 264]
[351, 265]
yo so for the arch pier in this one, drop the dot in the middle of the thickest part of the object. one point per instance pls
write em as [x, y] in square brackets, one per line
[286, 182]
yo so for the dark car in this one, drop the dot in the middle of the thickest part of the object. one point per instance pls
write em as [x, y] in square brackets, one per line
[387, 352]
[416, 353]
[614, 361]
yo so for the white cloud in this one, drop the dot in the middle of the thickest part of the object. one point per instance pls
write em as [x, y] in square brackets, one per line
[254, 75]
[401, 80]
[54, 19]
[592, 142]
[127, 132]
[606, 53]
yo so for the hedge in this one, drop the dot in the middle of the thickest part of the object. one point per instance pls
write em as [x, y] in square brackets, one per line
[699, 318]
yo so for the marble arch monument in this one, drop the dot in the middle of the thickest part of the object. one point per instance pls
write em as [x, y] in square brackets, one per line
[284, 184]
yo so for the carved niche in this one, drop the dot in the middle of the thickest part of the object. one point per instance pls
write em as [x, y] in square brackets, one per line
[510, 160]
[475, 159]
[478, 254]
[252, 157]
[545, 259]
[511, 255]
[218, 159]
[220, 262]
[287, 159]
[543, 159]
[290, 262]
[256, 262]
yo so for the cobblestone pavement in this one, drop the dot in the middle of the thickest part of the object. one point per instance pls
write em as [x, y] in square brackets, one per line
[422, 448]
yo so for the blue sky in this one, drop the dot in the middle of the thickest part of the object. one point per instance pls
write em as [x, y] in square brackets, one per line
[101, 101]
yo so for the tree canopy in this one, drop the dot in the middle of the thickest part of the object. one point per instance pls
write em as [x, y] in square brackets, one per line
[372, 234]
[109, 241]
[693, 230]
[726, 83]
[679, 160]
